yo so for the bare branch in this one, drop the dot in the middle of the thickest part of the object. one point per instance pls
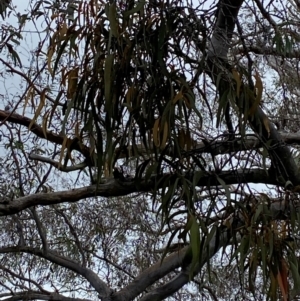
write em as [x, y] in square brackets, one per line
[38, 131]
[72, 230]
[3, 268]
[41, 229]
[56, 164]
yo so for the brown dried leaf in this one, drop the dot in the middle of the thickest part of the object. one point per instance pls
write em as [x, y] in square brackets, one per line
[63, 147]
[72, 82]
[178, 96]
[165, 136]
[39, 108]
[237, 78]
[49, 57]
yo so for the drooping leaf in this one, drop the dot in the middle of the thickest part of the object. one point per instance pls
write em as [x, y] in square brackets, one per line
[195, 244]
[164, 136]
[39, 108]
[156, 134]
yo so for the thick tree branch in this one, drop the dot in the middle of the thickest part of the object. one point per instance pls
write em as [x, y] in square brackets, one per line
[39, 132]
[99, 285]
[224, 27]
[41, 229]
[283, 163]
[281, 156]
[31, 295]
[220, 239]
[213, 147]
[114, 187]
[150, 276]
[264, 50]
[183, 278]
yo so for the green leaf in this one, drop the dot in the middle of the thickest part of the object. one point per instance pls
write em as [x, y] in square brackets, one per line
[288, 45]
[278, 41]
[67, 113]
[225, 186]
[187, 228]
[140, 5]
[141, 168]
[166, 199]
[112, 17]
[195, 244]
[150, 171]
[258, 211]
[18, 145]
[196, 178]
[59, 54]
[14, 54]
[107, 80]
[263, 258]
[265, 154]
[222, 107]
[169, 243]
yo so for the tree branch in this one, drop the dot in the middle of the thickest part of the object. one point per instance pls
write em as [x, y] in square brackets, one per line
[283, 163]
[18, 276]
[263, 50]
[41, 229]
[221, 239]
[224, 27]
[150, 276]
[99, 285]
[39, 132]
[32, 295]
[73, 232]
[214, 147]
[115, 187]
[183, 278]
[56, 163]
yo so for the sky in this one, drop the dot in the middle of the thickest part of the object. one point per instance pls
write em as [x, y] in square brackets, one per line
[12, 87]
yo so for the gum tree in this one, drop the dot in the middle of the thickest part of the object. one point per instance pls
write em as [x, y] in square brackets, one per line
[149, 150]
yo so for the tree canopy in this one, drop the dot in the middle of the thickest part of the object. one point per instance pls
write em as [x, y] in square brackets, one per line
[149, 150]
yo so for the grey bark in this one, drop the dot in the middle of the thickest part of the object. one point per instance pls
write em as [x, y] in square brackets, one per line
[283, 163]
[114, 187]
